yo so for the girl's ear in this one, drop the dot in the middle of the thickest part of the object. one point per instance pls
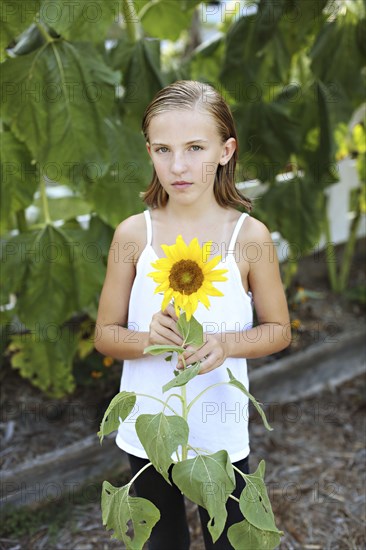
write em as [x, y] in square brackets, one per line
[228, 150]
[148, 148]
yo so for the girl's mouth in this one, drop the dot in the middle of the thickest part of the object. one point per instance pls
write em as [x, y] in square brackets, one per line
[182, 184]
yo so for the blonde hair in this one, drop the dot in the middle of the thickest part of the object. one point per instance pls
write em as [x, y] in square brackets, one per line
[185, 95]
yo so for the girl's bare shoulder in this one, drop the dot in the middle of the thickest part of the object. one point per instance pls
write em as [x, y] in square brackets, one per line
[132, 226]
[131, 234]
[254, 230]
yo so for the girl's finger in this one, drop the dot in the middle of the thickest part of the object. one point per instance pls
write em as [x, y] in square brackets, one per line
[169, 310]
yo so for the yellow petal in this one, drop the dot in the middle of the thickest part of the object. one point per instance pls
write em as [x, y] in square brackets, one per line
[166, 300]
[211, 264]
[202, 296]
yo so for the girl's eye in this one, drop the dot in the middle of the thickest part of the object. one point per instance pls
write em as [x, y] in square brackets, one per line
[196, 148]
[161, 150]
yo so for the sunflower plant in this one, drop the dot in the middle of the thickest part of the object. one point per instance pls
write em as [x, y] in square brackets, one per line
[185, 277]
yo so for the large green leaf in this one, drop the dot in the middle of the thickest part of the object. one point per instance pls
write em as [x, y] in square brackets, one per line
[207, 480]
[268, 135]
[15, 16]
[55, 272]
[244, 535]
[206, 60]
[45, 357]
[161, 436]
[131, 518]
[19, 177]
[245, 43]
[120, 407]
[337, 58]
[86, 260]
[57, 101]
[162, 18]
[115, 196]
[142, 79]
[86, 19]
[294, 207]
[254, 502]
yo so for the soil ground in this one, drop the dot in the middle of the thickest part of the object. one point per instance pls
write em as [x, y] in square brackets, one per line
[315, 456]
[315, 475]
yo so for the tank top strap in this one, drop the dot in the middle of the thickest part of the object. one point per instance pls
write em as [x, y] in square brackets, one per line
[148, 227]
[235, 234]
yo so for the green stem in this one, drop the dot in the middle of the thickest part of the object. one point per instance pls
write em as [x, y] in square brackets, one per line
[290, 270]
[133, 26]
[202, 392]
[234, 498]
[184, 410]
[140, 472]
[21, 220]
[239, 472]
[330, 253]
[46, 212]
[349, 249]
[165, 403]
[44, 33]
[173, 395]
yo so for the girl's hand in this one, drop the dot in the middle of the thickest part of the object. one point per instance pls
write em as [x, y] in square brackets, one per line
[212, 354]
[163, 328]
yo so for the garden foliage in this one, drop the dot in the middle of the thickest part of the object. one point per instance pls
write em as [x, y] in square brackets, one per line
[76, 77]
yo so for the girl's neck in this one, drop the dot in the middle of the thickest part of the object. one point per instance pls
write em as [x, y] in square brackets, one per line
[196, 212]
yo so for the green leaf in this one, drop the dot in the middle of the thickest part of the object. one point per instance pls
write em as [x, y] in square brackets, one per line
[294, 207]
[160, 436]
[254, 502]
[44, 356]
[245, 42]
[162, 19]
[85, 255]
[15, 16]
[244, 535]
[131, 518]
[19, 177]
[47, 269]
[120, 407]
[242, 388]
[158, 349]
[126, 177]
[206, 60]
[191, 331]
[63, 208]
[84, 19]
[183, 377]
[337, 59]
[207, 480]
[268, 132]
[142, 79]
[58, 100]
[48, 294]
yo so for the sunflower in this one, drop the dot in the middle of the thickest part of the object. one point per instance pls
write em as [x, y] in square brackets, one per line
[184, 276]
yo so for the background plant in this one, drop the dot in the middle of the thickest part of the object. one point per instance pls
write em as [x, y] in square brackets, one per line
[76, 79]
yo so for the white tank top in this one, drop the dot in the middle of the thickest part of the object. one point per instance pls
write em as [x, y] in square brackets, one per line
[219, 418]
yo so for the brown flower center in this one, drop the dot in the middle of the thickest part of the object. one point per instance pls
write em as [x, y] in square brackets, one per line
[186, 277]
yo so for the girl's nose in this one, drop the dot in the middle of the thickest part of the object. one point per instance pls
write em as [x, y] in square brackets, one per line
[179, 164]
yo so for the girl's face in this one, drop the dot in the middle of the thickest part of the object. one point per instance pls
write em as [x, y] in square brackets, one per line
[185, 148]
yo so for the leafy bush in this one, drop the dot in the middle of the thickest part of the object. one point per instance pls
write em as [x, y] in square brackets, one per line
[76, 79]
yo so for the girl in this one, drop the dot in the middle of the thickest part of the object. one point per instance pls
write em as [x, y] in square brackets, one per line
[191, 139]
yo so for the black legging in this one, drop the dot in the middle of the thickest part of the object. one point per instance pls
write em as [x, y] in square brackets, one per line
[171, 532]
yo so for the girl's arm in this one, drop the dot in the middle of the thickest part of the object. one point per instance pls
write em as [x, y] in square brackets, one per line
[112, 337]
[262, 277]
